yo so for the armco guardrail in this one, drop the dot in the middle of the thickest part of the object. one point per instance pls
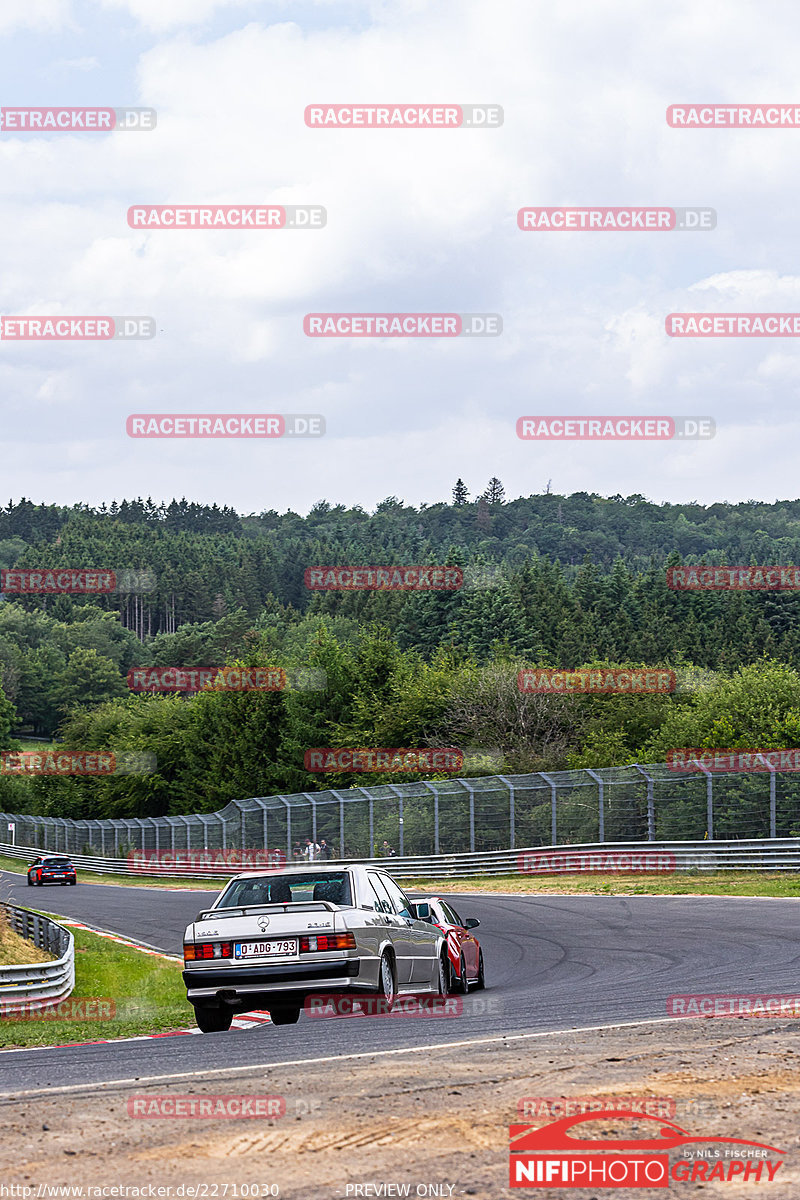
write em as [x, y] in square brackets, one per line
[765, 854]
[38, 985]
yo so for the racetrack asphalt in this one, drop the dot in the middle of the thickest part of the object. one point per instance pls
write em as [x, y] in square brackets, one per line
[552, 963]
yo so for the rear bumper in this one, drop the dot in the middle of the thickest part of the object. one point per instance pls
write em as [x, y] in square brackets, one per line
[298, 978]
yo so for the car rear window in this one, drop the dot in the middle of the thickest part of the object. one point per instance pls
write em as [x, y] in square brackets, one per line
[57, 862]
[297, 888]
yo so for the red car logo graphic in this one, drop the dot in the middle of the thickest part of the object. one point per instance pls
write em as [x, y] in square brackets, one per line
[528, 1139]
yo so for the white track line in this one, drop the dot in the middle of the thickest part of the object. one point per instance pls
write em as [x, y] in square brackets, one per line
[143, 1080]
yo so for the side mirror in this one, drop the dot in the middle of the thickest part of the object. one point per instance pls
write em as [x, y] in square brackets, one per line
[471, 923]
[422, 910]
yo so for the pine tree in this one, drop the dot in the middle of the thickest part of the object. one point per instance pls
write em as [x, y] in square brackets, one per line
[495, 492]
[460, 494]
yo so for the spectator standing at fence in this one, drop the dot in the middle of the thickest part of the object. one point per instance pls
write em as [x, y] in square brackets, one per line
[325, 851]
[311, 851]
[386, 850]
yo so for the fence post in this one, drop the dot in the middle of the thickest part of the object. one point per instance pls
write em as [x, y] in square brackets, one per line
[709, 801]
[471, 792]
[651, 807]
[601, 818]
[265, 826]
[435, 815]
[313, 804]
[340, 798]
[512, 836]
[553, 794]
[772, 805]
[400, 831]
[287, 806]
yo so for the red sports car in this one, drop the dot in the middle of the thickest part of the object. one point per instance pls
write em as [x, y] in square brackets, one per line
[463, 949]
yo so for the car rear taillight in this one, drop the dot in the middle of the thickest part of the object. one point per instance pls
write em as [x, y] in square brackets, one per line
[195, 951]
[328, 941]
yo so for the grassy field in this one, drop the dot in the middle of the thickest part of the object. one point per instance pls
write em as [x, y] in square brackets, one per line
[136, 993]
[687, 883]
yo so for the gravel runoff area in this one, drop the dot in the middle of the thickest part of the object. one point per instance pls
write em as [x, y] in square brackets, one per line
[432, 1119]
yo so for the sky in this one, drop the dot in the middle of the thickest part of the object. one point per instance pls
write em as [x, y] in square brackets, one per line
[417, 221]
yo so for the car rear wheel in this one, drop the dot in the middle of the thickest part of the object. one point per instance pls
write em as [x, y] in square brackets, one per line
[386, 981]
[72, 882]
[213, 1020]
[285, 1016]
[462, 984]
[481, 981]
[445, 975]
[30, 882]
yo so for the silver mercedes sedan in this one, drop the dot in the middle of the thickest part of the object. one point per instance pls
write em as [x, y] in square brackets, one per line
[273, 938]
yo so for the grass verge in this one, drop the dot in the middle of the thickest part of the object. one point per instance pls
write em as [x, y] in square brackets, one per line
[141, 994]
[687, 883]
[16, 951]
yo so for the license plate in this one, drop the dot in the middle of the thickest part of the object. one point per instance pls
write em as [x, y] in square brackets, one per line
[270, 949]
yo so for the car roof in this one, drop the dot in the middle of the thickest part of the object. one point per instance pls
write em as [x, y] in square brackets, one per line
[313, 868]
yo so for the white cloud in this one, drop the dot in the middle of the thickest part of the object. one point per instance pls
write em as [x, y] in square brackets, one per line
[161, 16]
[43, 16]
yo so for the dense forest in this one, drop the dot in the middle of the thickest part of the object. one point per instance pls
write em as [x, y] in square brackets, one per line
[550, 580]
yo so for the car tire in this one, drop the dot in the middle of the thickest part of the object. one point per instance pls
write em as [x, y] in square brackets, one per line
[30, 882]
[387, 980]
[285, 1016]
[480, 983]
[444, 984]
[462, 983]
[213, 1020]
[72, 882]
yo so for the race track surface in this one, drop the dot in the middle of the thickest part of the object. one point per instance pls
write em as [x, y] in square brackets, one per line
[552, 963]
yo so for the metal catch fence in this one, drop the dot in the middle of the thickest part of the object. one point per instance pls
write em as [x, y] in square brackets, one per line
[637, 803]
